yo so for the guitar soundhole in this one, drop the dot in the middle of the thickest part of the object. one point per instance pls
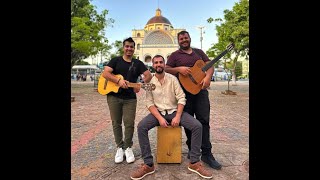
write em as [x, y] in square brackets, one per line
[105, 84]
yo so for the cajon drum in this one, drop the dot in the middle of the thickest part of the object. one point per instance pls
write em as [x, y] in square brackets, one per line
[169, 145]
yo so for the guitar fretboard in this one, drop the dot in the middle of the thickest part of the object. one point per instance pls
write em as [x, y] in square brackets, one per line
[134, 85]
[210, 64]
[207, 66]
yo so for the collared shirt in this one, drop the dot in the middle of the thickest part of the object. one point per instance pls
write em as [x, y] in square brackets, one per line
[166, 96]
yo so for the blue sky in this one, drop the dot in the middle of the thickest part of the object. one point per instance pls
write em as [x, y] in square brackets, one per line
[188, 14]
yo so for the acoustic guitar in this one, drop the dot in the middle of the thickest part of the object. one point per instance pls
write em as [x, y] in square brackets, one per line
[105, 86]
[191, 82]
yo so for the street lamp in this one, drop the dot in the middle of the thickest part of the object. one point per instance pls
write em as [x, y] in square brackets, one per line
[201, 38]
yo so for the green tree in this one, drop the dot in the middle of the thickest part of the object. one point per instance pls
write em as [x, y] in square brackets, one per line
[238, 69]
[235, 29]
[81, 62]
[214, 51]
[119, 49]
[87, 31]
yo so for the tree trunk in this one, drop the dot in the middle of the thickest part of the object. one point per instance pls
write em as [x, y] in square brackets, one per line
[234, 77]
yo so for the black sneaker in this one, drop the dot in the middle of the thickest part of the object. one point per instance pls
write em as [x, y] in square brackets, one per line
[209, 159]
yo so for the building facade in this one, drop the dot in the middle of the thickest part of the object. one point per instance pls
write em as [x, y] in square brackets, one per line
[157, 38]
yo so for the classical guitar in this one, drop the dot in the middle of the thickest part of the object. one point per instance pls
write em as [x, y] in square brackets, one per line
[105, 86]
[191, 82]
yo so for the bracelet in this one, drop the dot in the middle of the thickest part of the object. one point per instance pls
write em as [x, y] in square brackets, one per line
[118, 80]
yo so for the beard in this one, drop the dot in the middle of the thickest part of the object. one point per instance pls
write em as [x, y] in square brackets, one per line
[185, 47]
[159, 70]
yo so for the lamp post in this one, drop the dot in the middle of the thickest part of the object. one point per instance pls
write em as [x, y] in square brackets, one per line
[201, 38]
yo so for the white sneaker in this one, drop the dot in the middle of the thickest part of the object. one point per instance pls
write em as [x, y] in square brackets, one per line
[119, 156]
[129, 155]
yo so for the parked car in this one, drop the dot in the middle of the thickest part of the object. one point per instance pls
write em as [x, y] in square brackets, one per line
[212, 78]
[220, 74]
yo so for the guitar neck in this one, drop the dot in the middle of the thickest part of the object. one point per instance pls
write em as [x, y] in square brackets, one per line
[134, 85]
[210, 64]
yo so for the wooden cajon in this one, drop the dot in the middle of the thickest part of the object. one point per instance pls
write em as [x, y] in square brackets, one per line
[169, 145]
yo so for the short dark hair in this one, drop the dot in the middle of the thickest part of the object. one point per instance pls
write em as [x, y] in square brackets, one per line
[156, 56]
[129, 39]
[182, 32]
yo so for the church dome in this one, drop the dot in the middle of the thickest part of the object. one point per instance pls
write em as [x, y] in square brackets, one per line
[158, 18]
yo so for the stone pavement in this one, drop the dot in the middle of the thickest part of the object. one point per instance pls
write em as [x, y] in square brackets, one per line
[93, 147]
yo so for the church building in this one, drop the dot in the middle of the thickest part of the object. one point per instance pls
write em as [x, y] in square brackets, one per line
[157, 38]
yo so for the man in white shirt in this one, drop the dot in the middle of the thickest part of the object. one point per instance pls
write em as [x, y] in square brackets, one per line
[166, 104]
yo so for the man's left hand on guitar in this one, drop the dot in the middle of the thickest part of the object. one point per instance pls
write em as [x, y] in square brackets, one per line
[205, 82]
[123, 84]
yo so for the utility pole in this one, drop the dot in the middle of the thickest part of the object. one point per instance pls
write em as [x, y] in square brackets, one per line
[201, 38]
[101, 56]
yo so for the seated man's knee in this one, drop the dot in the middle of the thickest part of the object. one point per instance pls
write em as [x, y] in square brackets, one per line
[198, 125]
[141, 125]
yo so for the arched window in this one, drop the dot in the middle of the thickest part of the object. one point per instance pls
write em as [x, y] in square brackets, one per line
[138, 35]
[138, 46]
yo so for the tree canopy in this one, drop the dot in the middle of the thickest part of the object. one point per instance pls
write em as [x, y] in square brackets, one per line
[119, 50]
[233, 29]
[87, 30]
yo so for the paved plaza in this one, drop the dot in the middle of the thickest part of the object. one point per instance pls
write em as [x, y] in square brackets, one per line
[93, 147]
